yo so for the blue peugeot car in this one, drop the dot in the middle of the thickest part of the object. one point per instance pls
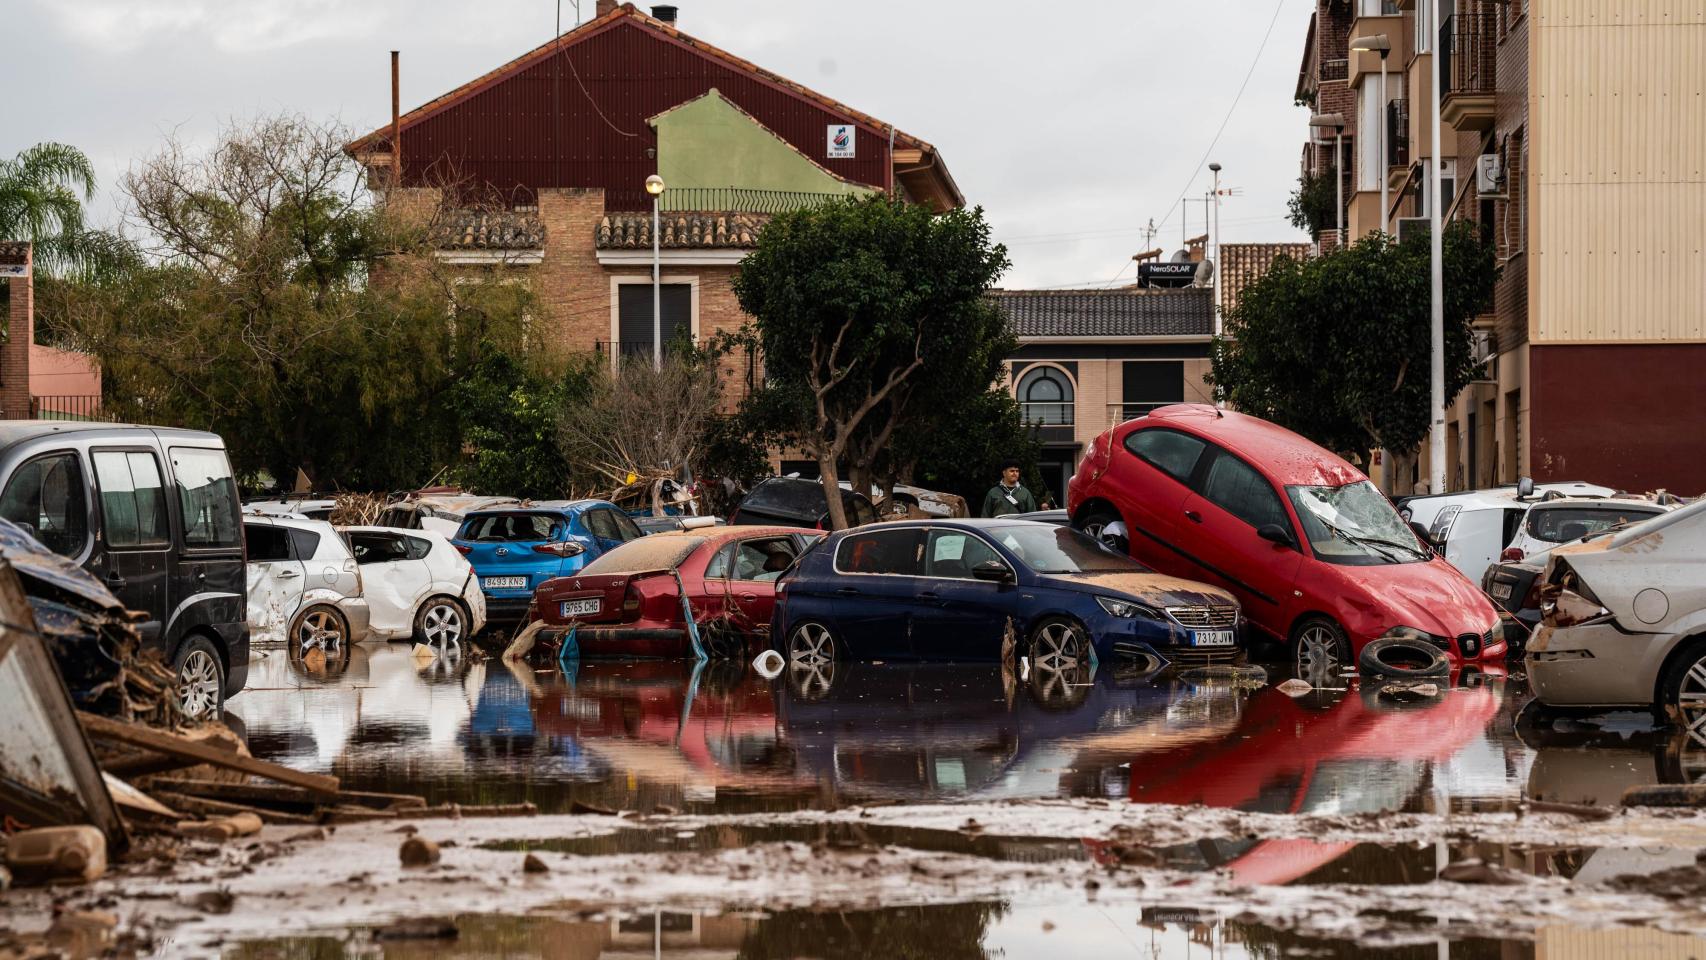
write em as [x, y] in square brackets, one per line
[950, 590]
[515, 549]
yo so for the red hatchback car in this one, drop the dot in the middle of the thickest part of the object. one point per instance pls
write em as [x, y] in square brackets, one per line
[627, 601]
[1317, 556]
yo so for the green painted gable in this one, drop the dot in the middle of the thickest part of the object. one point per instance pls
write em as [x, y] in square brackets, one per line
[709, 142]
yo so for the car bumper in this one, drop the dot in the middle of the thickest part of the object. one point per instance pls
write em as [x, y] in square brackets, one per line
[237, 672]
[1594, 665]
[507, 609]
[1137, 636]
[359, 615]
[597, 641]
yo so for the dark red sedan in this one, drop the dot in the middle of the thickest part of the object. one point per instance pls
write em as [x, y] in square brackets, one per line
[627, 603]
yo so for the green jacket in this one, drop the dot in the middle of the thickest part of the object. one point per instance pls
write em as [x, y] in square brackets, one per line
[997, 503]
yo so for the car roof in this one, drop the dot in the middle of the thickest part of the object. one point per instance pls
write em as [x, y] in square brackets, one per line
[1613, 502]
[273, 519]
[428, 534]
[964, 523]
[1286, 457]
[16, 431]
[541, 506]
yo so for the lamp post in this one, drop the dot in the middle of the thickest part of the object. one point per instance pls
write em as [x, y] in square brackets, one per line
[1436, 270]
[654, 186]
[1379, 44]
[1215, 168]
[1337, 122]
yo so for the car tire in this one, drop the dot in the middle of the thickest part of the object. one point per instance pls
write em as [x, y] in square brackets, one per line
[201, 678]
[1097, 521]
[321, 625]
[1058, 644]
[1319, 650]
[1682, 692]
[441, 621]
[1396, 658]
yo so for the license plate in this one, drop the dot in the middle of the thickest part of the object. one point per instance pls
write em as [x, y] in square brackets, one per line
[1213, 638]
[503, 583]
[1501, 591]
[579, 608]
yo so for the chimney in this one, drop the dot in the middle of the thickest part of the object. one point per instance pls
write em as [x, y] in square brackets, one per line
[664, 12]
[604, 7]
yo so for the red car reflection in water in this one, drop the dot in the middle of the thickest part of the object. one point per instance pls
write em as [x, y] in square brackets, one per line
[1358, 753]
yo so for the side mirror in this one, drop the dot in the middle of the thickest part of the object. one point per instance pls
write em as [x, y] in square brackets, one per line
[1525, 487]
[993, 571]
[1276, 534]
[1422, 534]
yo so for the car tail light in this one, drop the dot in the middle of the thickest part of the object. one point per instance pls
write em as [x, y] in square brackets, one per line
[463, 548]
[630, 599]
[561, 549]
[1511, 555]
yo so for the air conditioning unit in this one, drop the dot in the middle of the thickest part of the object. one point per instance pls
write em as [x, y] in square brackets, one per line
[1412, 226]
[1489, 175]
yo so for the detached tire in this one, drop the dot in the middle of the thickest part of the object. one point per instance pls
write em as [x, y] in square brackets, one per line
[1399, 659]
[201, 678]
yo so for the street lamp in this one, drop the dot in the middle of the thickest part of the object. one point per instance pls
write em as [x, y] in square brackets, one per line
[1215, 168]
[1337, 122]
[1379, 44]
[654, 186]
[1436, 270]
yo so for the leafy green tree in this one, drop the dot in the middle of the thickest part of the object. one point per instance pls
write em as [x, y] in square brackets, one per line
[1312, 204]
[282, 308]
[1337, 347]
[961, 450]
[509, 407]
[42, 192]
[855, 304]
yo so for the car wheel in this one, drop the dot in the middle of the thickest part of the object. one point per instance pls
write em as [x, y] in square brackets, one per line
[1058, 645]
[1320, 649]
[811, 660]
[1684, 692]
[440, 622]
[201, 678]
[319, 627]
[1105, 525]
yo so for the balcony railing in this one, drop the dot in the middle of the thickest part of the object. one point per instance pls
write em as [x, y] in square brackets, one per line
[1049, 414]
[68, 408]
[1469, 54]
[742, 372]
[1398, 132]
[716, 200]
[1335, 70]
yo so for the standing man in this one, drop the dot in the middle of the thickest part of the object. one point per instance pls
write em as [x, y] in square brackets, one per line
[1008, 496]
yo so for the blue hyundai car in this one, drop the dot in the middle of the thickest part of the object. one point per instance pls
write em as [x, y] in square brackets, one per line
[515, 549]
[959, 589]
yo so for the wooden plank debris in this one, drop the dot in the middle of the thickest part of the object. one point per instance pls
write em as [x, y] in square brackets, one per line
[174, 745]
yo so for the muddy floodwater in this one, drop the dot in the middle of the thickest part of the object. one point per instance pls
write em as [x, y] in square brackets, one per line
[1008, 793]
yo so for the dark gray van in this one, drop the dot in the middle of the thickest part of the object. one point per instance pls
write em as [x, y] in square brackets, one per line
[153, 512]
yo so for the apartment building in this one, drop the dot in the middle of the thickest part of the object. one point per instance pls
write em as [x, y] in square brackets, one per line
[1573, 132]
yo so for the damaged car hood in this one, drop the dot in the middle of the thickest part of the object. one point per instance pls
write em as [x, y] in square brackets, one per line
[1431, 596]
[1153, 589]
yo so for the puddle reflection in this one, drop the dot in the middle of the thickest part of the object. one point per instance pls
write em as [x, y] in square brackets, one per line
[648, 734]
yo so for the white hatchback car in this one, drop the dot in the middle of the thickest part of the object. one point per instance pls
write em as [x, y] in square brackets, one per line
[416, 585]
[304, 584]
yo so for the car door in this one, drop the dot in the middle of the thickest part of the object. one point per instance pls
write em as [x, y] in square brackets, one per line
[878, 574]
[134, 558]
[1151, 493]
[1218, 528]
[959, 617]
[276, 580]
[209, 569]
[753, 566]
[393, 576]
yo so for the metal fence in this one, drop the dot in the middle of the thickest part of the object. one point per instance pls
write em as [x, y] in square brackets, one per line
[68, 407]
[1053, 413]
[1332, 70]
[742, 372]
[1469, 54]
[716, 200]
[1397, 133]
[1121, 412]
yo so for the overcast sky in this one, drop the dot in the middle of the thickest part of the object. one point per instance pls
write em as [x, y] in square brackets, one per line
[1071, 123]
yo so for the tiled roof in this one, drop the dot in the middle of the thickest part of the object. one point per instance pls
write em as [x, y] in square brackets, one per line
[14, 251]
[623, 231]
[491, 230]
[1108, 313]
[1242, 264]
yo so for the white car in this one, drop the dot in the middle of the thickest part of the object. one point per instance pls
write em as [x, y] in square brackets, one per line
[304, 584]
[1425, 509]
[1624, 621]
[1549, 523]
[1478, 531]
[311, 508]
[416, 585]
[442, 512]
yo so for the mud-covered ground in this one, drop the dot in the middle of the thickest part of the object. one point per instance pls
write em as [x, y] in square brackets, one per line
[932, 811]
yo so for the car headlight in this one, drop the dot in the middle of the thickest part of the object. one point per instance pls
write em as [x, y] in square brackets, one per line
[1125, 609]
